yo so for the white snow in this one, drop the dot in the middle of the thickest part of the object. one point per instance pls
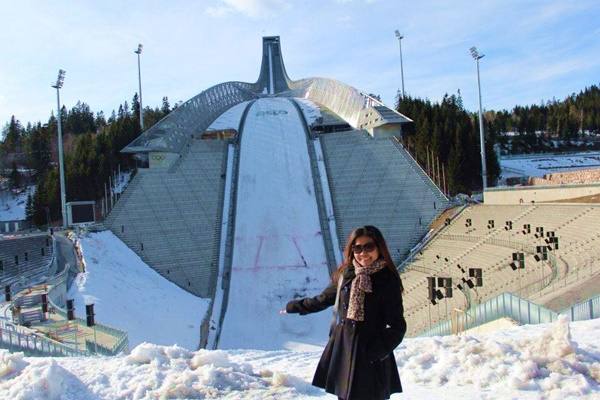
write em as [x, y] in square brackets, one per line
[12, 207]
[311, 111]
[540, 164]
[121, 182]
[556, 361]
[131, 296]
[230, 119]
[278, 247]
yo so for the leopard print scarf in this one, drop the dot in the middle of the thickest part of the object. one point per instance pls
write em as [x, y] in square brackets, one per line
[361, 285]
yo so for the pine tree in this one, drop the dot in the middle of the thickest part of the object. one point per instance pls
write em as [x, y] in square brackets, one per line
[166, 107]
[14, 179]
[29, 210]
[12, 135]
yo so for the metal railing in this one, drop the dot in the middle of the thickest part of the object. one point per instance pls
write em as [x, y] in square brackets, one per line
[412, 161]
[508, 305]
[57, 294]
[17, 338]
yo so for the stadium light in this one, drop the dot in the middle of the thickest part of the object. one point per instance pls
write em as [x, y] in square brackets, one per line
[58, 85]
[400, 37]
[139, 52]
[478, 56]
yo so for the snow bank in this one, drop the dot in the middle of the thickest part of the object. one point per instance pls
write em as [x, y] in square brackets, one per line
[131, 296]
[553, 361]
[121, 182]
[11, 363]
[548, 363]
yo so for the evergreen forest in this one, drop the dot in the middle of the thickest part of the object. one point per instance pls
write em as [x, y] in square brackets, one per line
[444, 138]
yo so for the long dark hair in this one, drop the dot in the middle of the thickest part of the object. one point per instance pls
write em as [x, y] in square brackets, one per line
[373, 233]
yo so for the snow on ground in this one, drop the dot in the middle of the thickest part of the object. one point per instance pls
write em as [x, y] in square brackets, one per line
[230, 119]
[529, 362]
[278, 251]
[131, 296]
[540, 164]
[121, 182]
[12, 207]
[310, 110]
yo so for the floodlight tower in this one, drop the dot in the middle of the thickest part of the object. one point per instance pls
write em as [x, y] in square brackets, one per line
[61, 165]
[139, 52]
[400, 37]
[478, 56]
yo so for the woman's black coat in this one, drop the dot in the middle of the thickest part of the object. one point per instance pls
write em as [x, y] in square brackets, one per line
[358, 361]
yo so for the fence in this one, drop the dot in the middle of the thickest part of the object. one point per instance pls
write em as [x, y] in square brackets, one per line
[508, 305]
[16, 338]
[57, 295]
[589, 309]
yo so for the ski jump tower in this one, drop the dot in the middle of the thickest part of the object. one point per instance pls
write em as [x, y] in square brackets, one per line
[179, 211]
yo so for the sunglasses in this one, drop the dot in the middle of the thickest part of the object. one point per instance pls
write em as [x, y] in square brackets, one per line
[367, 247]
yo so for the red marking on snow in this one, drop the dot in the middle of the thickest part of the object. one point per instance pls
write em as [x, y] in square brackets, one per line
[260, 243]
[297, 247]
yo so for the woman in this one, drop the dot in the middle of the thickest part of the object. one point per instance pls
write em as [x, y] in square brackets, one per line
[358, 361]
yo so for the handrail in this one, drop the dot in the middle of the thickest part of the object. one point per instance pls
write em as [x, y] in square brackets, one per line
[414, 161]
[32, 339]
[122, 336]
[509, 305]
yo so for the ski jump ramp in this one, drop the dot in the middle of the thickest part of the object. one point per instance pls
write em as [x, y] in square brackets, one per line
[254, 222]
[278, 248]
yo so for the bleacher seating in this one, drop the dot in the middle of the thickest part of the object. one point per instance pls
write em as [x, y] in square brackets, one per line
[375, 182]
[480, 245]
[24, 258]
[171, 218]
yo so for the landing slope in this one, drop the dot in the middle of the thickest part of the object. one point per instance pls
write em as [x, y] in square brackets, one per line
[131, 296]
[278, 248]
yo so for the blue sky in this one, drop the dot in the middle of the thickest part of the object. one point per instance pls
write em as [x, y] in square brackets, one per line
[534, 50]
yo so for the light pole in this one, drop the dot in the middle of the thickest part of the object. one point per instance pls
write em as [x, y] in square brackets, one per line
[138, 52]
[478, 56]
[61, 165]
[400, 37]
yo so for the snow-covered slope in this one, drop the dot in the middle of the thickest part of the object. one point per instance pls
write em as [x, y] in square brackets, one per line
[230, 119]
[131, 296]
[530, 362]
[12, 207]
[278, 248]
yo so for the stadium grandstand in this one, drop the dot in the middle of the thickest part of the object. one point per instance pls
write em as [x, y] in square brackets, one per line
[25, 258]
